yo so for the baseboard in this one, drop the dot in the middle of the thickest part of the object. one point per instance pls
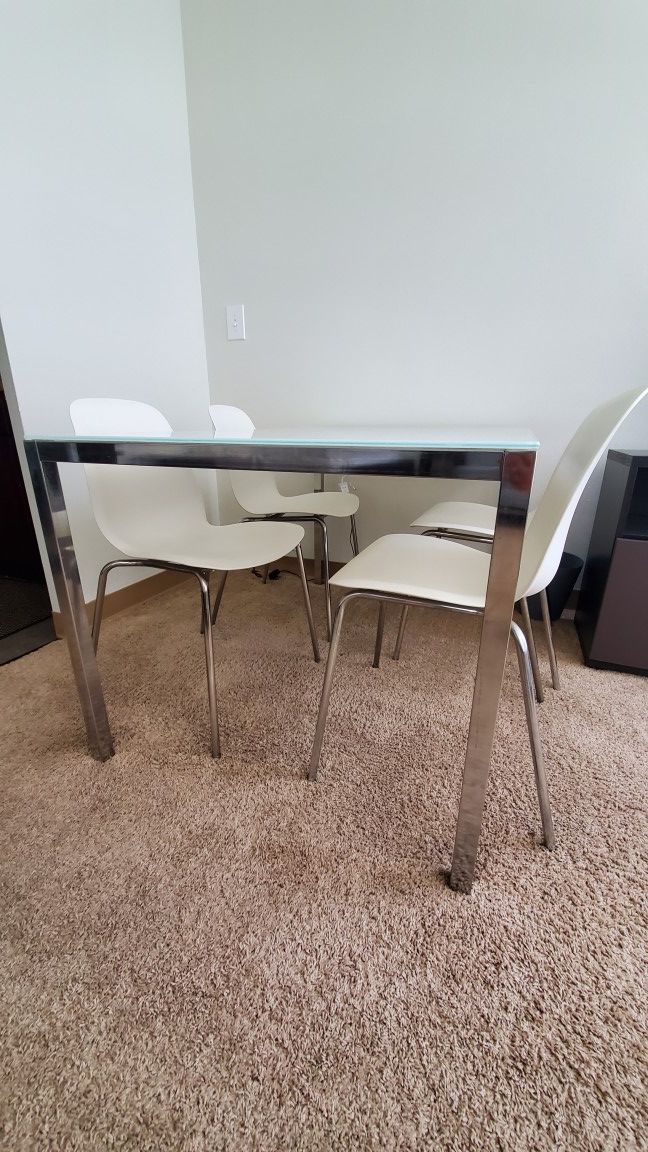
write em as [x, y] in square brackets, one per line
[123, 598]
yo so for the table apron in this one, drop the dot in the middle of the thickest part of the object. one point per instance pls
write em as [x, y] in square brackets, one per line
[359, 460]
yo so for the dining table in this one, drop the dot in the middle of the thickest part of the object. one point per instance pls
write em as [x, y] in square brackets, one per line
[501, 454]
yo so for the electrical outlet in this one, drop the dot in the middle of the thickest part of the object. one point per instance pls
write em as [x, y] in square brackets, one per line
[235, 322]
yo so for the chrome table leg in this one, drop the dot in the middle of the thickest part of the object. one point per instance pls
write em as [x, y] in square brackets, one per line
[515, 487]
[60, 550]
[354, 536]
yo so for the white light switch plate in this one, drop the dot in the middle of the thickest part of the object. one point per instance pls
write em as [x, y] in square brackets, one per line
[235, 322]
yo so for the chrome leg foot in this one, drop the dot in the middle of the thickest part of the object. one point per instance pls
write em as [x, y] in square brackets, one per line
[379, 634]
[401, 632]
[546, 618]
[307, 603]
[326, 691]
[533, 656]
[534, 735]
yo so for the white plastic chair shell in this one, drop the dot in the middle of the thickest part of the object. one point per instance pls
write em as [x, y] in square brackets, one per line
[257, 492]
[453, 573]
[458, 516]
[421, 568]
[160, 512]
[157, 515]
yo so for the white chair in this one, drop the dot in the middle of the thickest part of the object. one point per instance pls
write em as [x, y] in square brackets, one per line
[258, 494]
[428, 571]
[156, 516]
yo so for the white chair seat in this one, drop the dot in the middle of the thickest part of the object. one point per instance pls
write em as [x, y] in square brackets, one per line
[459, 516]
[316, 504]
[226, 548]
[420, 566]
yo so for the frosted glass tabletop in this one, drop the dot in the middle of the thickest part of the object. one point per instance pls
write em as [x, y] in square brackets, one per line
[334, 436]
[407, 436]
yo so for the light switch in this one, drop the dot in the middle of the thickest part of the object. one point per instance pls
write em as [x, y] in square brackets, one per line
[235, 322]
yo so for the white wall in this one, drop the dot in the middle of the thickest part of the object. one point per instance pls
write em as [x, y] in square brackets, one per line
[99, 280]
[433, 211]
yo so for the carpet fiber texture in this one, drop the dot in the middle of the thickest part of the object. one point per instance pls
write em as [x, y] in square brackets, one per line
[218, 955]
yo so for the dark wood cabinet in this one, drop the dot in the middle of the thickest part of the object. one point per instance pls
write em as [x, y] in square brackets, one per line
[19, 555]
[612, 613]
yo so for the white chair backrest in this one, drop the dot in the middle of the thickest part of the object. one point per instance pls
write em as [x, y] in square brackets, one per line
[256, 492]
[133, 504]
[546, 533]
[108, 416]
[231, 422]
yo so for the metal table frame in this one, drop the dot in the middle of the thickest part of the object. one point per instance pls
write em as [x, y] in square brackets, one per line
[512, 468]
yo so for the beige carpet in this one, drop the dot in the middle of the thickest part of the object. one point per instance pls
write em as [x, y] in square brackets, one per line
[203, 955]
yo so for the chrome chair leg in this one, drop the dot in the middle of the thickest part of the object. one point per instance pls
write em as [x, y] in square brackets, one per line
[307, 603]
[533, 656]
[326, 688]
[318, 559]
[101, 593]
[219, 597]
[553, 663]
[327, 588]
[354, 536]
[379, 634]
[401, 632]
[526, 677]
[99, 603]
[202, 578]
[320, 520]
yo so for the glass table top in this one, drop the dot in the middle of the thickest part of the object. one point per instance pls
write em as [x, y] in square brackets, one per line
[338, 436]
